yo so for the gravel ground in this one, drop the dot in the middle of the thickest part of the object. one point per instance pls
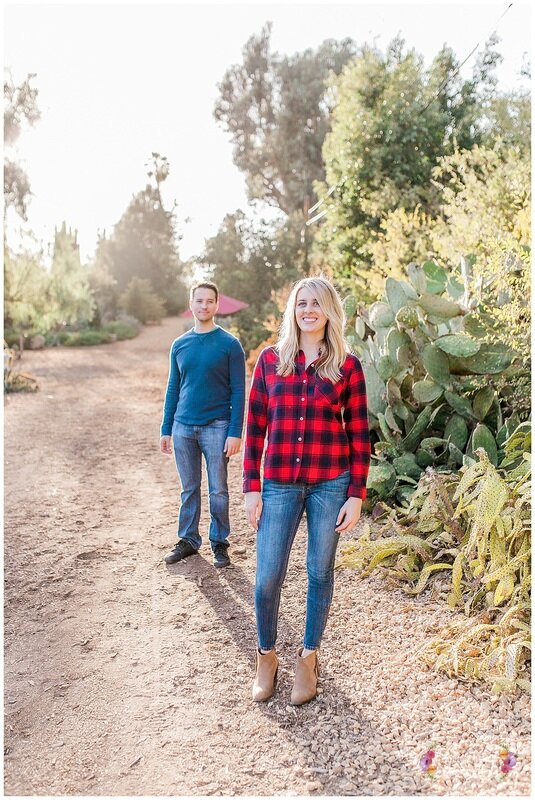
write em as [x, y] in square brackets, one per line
[127, 677]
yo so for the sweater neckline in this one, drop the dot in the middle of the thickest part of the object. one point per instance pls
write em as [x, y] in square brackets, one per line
[208, 333]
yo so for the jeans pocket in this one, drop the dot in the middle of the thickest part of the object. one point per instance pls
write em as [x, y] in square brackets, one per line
[344, 476]
[337, 485]
[181, 430]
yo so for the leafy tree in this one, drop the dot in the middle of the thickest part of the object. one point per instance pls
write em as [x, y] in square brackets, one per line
[224, 258]
[143, 243]
[252, 261]
[20, 108]
[69, 296]
[485, 197]
[103, 285]
[277, 114]
[141, 302]
[38, 300]
[392, 122]
[229, 262]
[508, 120]
[505, 117]
[25, 288]
[404, 237]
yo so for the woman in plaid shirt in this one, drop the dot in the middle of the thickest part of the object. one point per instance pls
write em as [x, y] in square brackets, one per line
[309, 395]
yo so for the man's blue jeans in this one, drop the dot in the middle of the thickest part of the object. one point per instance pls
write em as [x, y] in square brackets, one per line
[190, 443]
[283, 507]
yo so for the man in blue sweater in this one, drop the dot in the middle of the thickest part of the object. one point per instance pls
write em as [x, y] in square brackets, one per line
[203, 416]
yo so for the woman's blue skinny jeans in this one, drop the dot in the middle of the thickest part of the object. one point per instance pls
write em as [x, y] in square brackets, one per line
[283, 507]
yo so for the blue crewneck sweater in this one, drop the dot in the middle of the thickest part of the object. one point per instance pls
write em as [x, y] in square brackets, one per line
[206, 381]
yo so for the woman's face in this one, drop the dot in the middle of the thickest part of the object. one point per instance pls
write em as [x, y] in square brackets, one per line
[308, 314]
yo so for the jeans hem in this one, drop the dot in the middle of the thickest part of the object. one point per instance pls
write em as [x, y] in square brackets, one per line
[215, 542]
[188, 540]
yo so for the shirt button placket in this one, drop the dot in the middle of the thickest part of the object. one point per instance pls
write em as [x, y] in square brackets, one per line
[301, 428]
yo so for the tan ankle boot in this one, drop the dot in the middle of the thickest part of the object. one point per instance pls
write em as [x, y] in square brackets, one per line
[306, 678]
[266, 675]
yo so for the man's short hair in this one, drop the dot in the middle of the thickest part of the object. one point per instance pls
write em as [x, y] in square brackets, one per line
[204, 285]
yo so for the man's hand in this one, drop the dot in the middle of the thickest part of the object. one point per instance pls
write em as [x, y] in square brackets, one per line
[165, 445]
[253, 508]
[232, 446]
[349, 514]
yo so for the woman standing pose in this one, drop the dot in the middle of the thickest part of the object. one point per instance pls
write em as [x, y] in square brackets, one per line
[308, 392]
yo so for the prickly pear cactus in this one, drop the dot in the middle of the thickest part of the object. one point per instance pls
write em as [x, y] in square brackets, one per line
[430, 376]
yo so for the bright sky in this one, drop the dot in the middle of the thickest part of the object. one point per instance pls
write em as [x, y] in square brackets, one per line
[117, 82]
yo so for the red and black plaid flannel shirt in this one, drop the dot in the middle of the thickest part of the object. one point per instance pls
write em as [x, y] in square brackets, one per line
[316, 429]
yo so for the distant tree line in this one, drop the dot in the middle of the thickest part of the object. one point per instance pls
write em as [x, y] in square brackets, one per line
[136, 274]
[366, 160]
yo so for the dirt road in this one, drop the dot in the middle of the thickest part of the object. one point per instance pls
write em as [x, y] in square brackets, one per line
[127, 677]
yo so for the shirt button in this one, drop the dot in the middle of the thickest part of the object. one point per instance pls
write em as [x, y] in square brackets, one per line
[299, 439]
[298, 459]
[303, 399]
[300, 417]
[304, 381]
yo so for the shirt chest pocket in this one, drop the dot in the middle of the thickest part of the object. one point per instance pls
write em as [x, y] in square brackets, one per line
[328, 394]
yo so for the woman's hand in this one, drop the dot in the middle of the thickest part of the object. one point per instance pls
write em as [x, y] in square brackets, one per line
[253, 508]
[349, 514]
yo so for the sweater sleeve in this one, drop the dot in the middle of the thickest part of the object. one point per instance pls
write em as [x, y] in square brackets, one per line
[237, 389]
[356, 425]
[172, 394]
[256, 429]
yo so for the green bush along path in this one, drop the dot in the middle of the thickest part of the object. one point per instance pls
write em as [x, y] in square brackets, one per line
[127, 677]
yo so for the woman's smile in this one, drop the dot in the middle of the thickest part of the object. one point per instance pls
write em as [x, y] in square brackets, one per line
[308, 312]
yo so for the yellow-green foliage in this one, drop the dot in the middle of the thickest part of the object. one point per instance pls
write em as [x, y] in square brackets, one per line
[474, 529]
[506, 277]
[494, 653]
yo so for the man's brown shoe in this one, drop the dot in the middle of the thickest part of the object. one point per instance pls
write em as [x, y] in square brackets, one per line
[265, 680]
[305, 686]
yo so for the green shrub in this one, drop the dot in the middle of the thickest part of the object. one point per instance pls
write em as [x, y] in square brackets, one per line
[55, 338]
[11, 337]
[119, 329]
[122, 330]
[88, 337]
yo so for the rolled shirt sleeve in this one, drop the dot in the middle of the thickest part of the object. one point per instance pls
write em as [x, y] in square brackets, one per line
[256, 429]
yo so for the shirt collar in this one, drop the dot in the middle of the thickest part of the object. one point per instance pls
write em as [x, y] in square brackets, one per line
[301, 361]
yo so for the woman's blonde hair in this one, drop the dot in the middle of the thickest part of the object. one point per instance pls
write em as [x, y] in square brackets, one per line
[334, 349]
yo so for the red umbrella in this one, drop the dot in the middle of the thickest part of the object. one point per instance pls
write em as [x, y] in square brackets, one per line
[227, 306]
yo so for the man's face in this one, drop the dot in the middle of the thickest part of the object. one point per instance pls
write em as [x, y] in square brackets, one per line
[203, 304]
